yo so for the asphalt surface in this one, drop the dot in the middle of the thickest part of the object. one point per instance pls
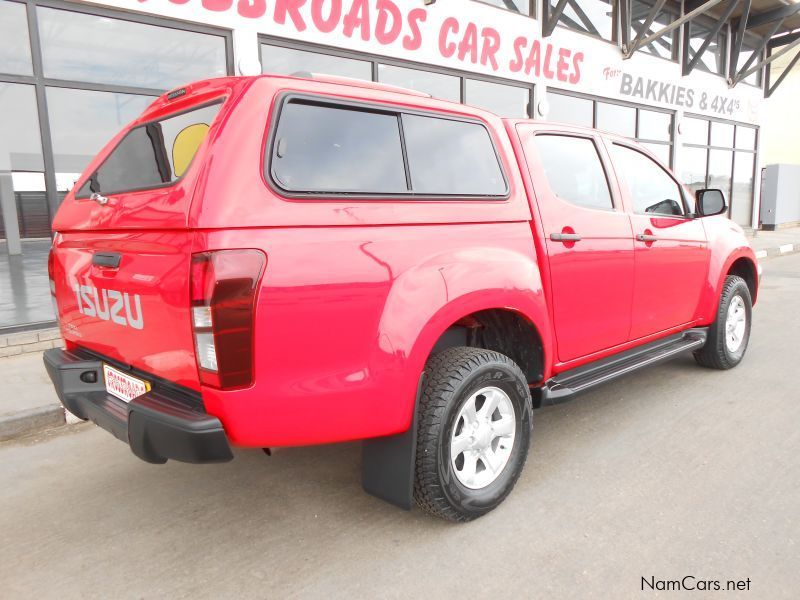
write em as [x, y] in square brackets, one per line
[674, 471]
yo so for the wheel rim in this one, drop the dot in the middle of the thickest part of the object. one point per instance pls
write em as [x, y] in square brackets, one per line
[735, 324]
[483, 437]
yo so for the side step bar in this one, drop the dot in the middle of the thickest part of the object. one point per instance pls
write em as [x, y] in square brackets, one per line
[565, 386]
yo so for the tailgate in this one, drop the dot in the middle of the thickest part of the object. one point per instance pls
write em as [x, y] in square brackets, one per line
[126, 296]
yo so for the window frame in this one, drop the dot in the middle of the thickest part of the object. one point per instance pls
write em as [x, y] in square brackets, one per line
[687, 214]
[167, 184]
[282, 99]
[616, 205]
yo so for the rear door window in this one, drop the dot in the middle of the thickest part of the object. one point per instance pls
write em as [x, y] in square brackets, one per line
[152, 155]
[450, 157]
[574, 171]
[327, 149]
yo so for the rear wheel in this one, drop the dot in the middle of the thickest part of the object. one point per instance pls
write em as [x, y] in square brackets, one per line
[730, 333]
[474, 429]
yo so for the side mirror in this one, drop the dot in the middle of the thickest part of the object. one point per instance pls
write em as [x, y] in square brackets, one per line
[710, 202]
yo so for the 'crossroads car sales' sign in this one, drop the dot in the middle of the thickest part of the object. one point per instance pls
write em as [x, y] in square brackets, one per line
[475, 37]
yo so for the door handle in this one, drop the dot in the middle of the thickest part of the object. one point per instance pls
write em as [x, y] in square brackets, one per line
[109, 260]
[646, 237]
[565, 237]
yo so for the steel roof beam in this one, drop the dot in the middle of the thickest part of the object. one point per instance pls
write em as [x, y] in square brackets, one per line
[550, 20]
[770, 89]
[723, 19]
[703, 8]
[738, 38]
[772, 15]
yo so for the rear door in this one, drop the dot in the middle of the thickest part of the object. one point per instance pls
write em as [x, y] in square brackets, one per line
[122, 254]
[672, 255]
[588, 239]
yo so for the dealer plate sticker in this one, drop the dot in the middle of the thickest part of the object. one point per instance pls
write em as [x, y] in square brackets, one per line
[122, 385]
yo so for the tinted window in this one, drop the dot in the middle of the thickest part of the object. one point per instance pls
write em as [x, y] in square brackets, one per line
[153, 154]
[451, 157]
[574, 170]
[651, 190]
[333, 149]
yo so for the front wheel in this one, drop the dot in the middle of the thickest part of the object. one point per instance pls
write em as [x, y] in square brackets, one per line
[474, 430]
[730, 333]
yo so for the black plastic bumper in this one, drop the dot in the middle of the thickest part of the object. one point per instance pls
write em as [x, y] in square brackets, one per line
[158, 425]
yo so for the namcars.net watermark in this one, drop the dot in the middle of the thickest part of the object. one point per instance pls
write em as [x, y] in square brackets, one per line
[690, 583]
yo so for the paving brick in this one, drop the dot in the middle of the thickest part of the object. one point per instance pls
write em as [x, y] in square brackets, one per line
[26, 337]
[10, 351]
[37, 347]
[49, 334]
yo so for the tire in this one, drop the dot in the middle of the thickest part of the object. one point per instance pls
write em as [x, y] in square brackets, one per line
[720, 352]
[456, 379]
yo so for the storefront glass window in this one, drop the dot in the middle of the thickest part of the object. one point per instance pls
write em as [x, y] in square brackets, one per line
[719, 171]
[745, 138]
[722, 134]
[446, 87]
[24, 212]
[655, 125]
[663, 46]
[694, 164]
[589, 16]
[504, 100]
[616, 118]
[520, 6]
[694, 131]
[742, 191]
[15, 47]
[662, 151]
[82, 122]
[713, 59]
[83, 47]
[569, 109]
[287, 61]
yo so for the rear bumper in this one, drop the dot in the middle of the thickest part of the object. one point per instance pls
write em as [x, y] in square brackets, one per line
[158, 425]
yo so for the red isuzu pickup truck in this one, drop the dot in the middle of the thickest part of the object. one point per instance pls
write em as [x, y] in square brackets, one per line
[280, 261]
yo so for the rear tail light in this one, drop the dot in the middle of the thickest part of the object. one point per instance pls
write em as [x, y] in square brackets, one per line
[224, 284]
[50, 273]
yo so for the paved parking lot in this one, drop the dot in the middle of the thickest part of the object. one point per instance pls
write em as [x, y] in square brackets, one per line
[676, 471]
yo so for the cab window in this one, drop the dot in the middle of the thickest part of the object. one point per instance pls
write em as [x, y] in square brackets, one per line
[651, 190]
[574, 171]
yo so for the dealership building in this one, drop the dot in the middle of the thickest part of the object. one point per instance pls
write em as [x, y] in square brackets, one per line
[687, 79]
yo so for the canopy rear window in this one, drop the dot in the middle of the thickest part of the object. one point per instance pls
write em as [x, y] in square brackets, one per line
[152, 155]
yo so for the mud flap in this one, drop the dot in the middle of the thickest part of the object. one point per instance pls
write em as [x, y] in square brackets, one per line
[387, 464]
